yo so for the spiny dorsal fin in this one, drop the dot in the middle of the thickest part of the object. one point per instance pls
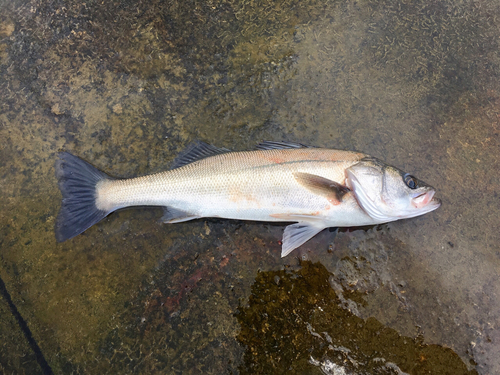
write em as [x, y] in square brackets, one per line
[332, 190]
[270, 145]
[196, 151]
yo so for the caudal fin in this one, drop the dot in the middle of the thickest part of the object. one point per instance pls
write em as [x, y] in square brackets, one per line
[77, 182]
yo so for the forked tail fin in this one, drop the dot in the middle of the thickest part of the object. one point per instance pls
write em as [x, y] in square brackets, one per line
[77, 182]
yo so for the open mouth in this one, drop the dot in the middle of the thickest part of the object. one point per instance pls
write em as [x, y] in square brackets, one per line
[426, 200]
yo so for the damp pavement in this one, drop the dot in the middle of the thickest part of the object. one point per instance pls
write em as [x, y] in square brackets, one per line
[127, 85]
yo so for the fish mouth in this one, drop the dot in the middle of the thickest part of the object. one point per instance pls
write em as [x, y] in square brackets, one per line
[426, 200]
[424, 203]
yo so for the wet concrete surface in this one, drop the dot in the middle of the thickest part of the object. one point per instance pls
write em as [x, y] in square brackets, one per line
[127, 85]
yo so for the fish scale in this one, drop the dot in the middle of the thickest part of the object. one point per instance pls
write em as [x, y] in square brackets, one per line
[243, 185]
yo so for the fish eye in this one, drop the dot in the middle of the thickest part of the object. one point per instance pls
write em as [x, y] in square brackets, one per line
[410, 181]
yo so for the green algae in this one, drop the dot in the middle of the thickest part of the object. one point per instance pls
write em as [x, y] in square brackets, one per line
[294, 317]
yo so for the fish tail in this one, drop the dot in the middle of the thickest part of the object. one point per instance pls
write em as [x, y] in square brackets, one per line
[77, 182]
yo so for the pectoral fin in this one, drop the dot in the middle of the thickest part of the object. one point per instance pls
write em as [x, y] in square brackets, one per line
[174, 215]
[331, 190]
[297, 234]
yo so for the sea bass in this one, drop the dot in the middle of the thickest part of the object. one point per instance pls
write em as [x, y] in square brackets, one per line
[316, 188]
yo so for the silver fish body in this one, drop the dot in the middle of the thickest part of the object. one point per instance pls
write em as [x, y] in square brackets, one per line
[314, 187]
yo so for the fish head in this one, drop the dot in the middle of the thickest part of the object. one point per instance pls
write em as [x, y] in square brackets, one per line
[387, 193]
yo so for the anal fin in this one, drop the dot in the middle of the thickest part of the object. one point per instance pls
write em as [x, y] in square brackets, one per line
[296, 235]
[174, 215]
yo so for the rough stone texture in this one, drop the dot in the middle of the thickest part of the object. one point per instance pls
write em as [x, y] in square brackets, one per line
[127, 85]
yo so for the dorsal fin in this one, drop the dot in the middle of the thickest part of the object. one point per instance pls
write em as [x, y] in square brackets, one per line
[270, 145]
[196, 151]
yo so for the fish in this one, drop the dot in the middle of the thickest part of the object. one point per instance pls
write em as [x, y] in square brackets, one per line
[312, 188]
